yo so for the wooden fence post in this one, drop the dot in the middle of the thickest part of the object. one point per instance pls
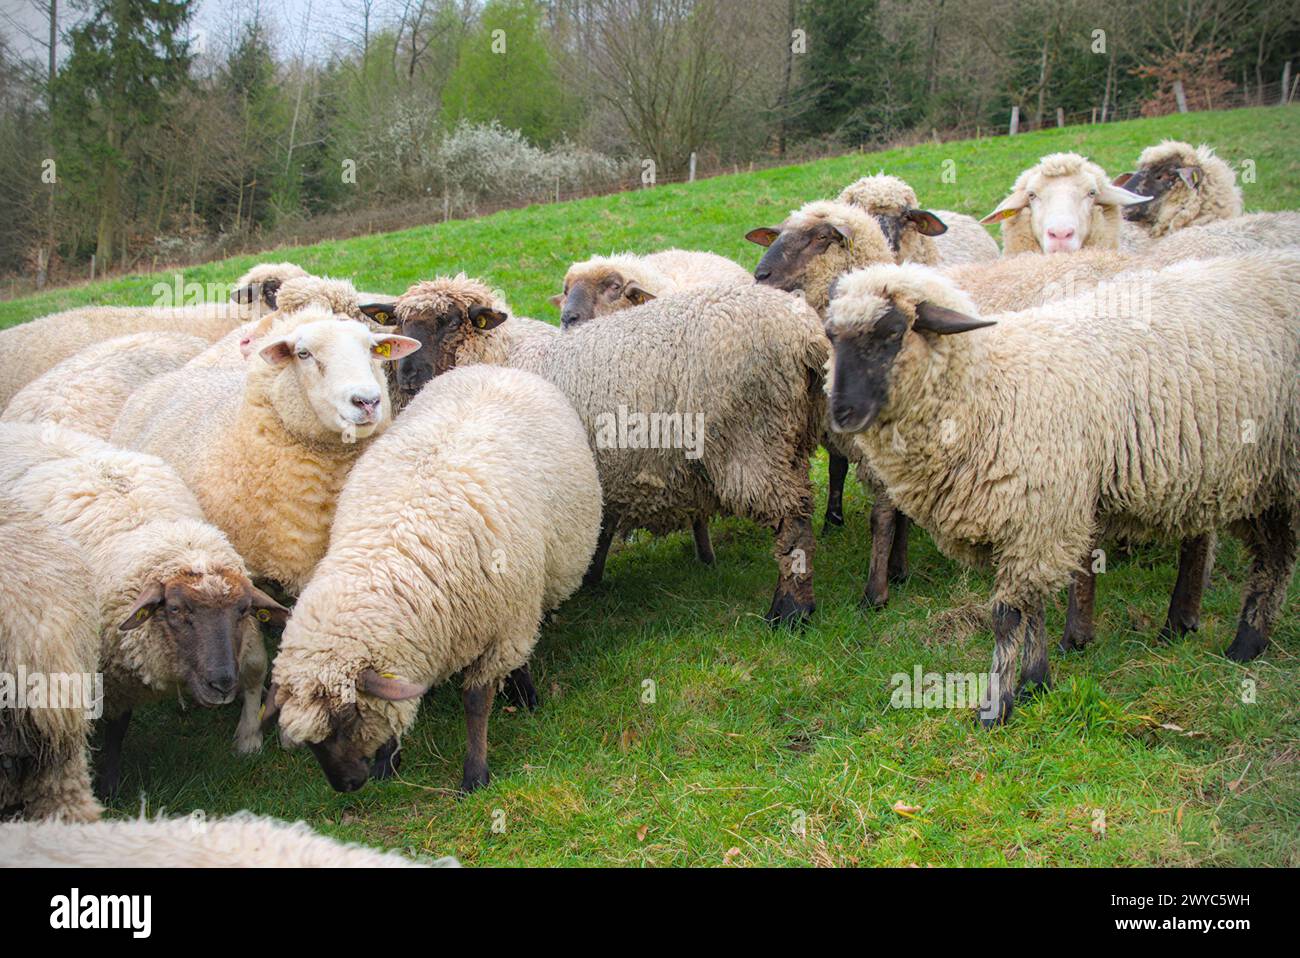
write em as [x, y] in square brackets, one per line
[1015, 121]
[1060, 116]
[92, 267]
[1286, 84]
[691, 178]
[1180, 96]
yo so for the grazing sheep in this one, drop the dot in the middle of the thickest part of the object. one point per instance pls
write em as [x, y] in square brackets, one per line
[1188, 185]
[266, 447]
[744, 359]
[87, 391]
[1062, 204]
[1022, 442]
[242, 840]
[457, 531]
[176, 607]
[31, 349]
[603, 284]
[49, 630]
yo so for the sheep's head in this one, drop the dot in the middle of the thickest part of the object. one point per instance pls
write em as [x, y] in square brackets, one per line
[815, 244]
[1170, 173]
[205, 615]
[894, 205]
[448, 318]
[343, 715]
[260, 286]
[338, 296]
[603, 285]
[325, 380]
[1065, 197]
[882, 323]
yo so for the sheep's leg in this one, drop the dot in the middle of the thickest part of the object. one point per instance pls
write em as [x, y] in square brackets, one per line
[110, 769]
[1080, 625]
[884, 522]
[1271, 540]
[1012, 629]
[252, 676]
[519, 689]
[898, 548]
[837, 470]
[477, 700]
[388, 760]
[793, 601]
[62, 788]
[1195, 559]
[1035, 675]
[596, 571]
[703, 546]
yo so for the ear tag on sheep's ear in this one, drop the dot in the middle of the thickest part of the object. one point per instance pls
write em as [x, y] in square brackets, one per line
[480, 321]
[1190, 175]
[263, 615]
[383, 349]
[142, 614]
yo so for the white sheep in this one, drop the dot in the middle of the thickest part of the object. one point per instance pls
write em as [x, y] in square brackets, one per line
[722, 385]
[1188, 185]
[459, 528]
[1240, 235]
[49, 654]
[242, 840]
[604, 284]
[177, 612]
[1062, 204]
[266, 447]
[30, 349]
[87, 391]
[938, 237]
[1022, 442]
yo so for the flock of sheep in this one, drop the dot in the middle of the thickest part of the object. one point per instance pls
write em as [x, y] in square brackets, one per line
[426, 476]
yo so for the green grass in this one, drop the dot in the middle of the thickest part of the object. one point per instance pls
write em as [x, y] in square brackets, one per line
[753, 732]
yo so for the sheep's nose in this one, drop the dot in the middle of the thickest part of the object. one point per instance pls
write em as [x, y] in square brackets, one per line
[223, 685]
[762, 273]
[569, 319]
[1060, 232]
[366, 402]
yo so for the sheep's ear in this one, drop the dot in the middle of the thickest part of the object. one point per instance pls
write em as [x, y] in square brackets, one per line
[277, 353]
[266, 289]
[267, 611]
[1008, 208]
[763, 236]
[926, 223]
[271, 708]
[388, 687]
[1122, 179]
[389, 349]
[1190, 175]
[485, 317]
[636, 295]
[244, 294]
[557, 300]
[843, 235]
[146, 604]
[932, 318]
[1112, 195]
[385, 314]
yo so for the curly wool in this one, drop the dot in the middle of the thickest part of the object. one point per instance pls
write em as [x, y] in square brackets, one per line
[87, 391]
[242, 840]
[1254, 232]
[263, 474]
[965, 241]
[138, 524]
[867, 245]
[1216, 198]
[885, 195]
[457, 531]
[1022, 442]
[1021, 282]
[659, 274]
[1104, 227]
[39, 562]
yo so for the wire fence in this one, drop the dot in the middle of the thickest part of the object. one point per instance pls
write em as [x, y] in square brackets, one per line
[424, 211]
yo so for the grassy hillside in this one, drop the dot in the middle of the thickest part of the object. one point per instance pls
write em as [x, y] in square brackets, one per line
[773, 748]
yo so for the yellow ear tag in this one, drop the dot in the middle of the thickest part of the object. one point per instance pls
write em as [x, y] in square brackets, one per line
[263, 615]
[384, 349]
[388, 675]
[480, 322]
[261, 713]
[381, 318]
[141, 614]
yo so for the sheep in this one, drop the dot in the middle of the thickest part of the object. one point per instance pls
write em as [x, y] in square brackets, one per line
[746, 356]
[1022, 442]
[939, 237]
[1243, 234]
[603, 284]
[241, 840]
[1062, 204]
[31, 349]
[49, 631]
[458, 530]
[1187, 185]
[176, 610]
[87, 391]
[266, 448]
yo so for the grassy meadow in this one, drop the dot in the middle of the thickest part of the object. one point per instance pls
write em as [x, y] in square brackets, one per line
[676, 728]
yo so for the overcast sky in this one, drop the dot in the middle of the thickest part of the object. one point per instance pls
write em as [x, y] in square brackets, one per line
[316, 26]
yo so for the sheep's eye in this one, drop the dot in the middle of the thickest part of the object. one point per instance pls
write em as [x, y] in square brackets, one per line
[1033, 196]
[304, 354]
[173, 610]
[1092, 192]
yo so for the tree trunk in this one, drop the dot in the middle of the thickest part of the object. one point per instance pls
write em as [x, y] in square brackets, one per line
[108, 202]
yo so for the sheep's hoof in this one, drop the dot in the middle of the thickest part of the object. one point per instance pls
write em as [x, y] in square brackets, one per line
[993, 714]
[246, 743]
[473, 780]
[1075, 640]
[874, 600]
[388, 761]
[898, 576]
[519, 690]
[833, 520]
[1031, 689]
[1249, 643]
[1172, 630]
[788, 611]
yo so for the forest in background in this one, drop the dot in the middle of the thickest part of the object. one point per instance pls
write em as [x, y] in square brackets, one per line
[138, 140]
